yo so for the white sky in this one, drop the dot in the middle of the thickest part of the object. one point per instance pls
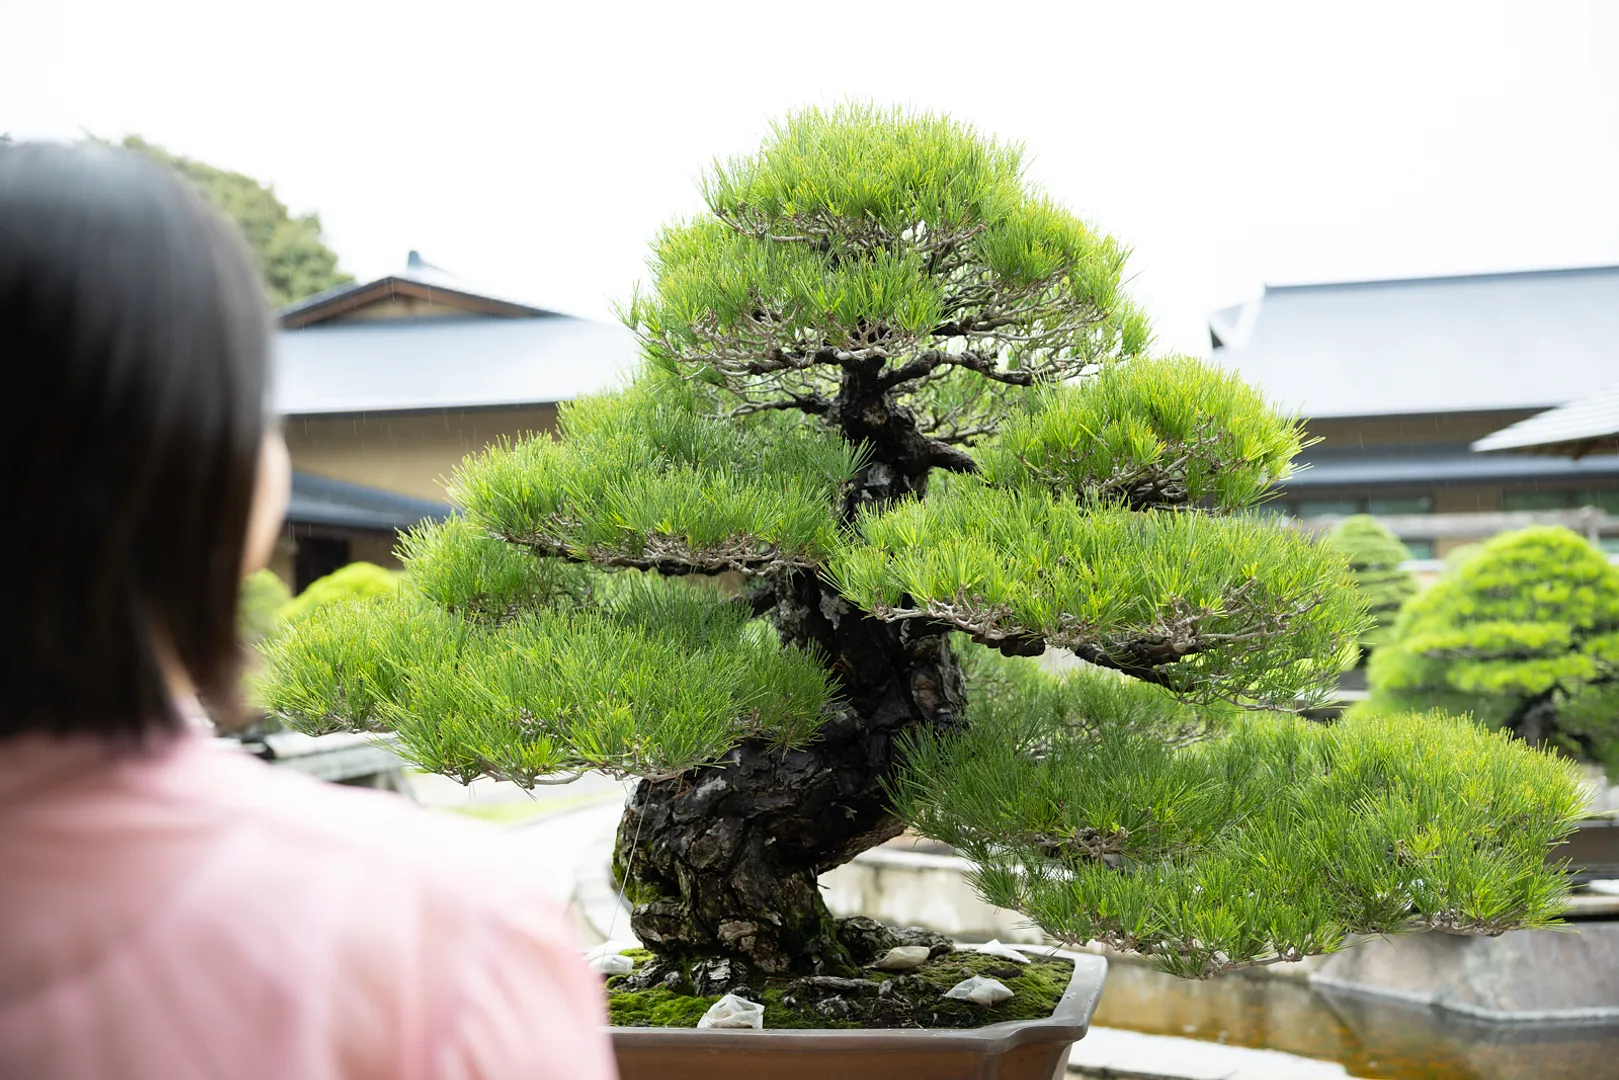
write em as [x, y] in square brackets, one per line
[535, 147]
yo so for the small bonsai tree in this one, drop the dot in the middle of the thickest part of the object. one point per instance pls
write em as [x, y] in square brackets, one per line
[1523, 634]
[1374, 554]
[902, 396]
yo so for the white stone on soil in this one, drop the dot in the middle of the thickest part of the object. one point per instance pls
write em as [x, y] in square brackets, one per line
[611, 948]
[611, 964]
[993, 947]
[979, 991]
[903, 958]
[731, 1011]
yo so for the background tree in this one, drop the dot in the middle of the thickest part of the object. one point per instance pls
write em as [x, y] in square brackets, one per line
[903, 395]
[1523, 634]
[1374, 555]
[264, 596]
[294, 259]
[353, 582]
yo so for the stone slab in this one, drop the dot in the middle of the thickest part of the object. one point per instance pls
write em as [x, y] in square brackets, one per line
[1527, 975]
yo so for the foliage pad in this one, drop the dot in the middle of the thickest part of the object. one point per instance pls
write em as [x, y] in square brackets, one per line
[1237, 609]
[1270, 842]
[658, 677]
[647, 478]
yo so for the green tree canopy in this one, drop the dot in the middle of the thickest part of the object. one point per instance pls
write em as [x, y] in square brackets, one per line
[1375, 555]
[264, 595]
[356, 581]
[1522, 634]
[293, 258]
[904, 397]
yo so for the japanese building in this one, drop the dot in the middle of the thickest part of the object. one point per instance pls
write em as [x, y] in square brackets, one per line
[386, 385]
[1399, 380]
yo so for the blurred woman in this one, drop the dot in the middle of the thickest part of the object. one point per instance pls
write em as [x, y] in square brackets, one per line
[170, 908]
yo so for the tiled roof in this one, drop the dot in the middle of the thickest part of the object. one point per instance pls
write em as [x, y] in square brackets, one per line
[1449, 344]
[1576, 429]
[446, 362]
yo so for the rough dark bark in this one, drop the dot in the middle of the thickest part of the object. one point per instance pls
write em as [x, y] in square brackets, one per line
[722, 863]
[1535, 719]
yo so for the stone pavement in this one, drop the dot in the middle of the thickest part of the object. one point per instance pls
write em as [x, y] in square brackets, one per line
[1112, 1054]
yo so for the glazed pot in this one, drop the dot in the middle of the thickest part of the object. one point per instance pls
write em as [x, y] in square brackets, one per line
[1015, 1050]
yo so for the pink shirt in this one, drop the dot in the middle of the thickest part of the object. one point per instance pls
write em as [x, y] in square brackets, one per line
[193, 913]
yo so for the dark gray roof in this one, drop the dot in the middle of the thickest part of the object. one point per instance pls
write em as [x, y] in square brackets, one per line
[317, 500]
[1447, 344]
[446, 362]
[1452, 467]
[1578, 428]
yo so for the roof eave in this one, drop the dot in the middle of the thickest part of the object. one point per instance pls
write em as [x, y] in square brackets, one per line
[332, 303]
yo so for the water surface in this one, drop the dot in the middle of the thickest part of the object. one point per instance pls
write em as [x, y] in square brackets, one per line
[1370, 1036]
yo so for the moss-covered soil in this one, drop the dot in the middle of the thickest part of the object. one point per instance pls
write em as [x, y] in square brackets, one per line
[912, 999]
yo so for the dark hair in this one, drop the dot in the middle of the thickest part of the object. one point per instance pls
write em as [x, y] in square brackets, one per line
[133, 351]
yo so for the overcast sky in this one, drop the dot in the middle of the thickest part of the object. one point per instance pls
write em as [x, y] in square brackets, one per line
[535, 146]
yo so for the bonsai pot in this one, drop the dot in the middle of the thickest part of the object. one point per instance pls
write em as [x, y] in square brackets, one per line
[1015, 1050]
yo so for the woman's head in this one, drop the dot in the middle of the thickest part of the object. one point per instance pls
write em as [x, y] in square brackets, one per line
[133, 370]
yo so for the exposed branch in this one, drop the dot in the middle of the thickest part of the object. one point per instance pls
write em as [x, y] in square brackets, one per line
[671, 556]
[814, 404]
[1148, 655]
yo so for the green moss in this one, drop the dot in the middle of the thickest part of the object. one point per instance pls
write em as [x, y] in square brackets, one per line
[1036, 987]
[656, 1008]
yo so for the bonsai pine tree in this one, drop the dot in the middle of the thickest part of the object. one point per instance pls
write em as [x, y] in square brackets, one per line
[1523, 634]
[1375, 554]
[899, 432]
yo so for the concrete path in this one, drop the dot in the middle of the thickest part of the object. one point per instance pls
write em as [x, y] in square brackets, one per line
[1113, 1054]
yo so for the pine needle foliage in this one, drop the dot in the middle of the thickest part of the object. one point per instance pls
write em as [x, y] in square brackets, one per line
[899, 394]
[868, 232]
[655, 678]
[1217, 608]
[647, 478]
[1277, 840]
[1524, 633]
[1153, 432]
[1375, 555]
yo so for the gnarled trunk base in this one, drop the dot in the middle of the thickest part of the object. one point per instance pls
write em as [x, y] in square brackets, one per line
[723, 862]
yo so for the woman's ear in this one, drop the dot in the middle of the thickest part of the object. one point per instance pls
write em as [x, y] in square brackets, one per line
[271, 489]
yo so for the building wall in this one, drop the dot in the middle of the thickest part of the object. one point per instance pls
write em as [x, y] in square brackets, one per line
[1417, 509]
[408, 453]
[1456, 429]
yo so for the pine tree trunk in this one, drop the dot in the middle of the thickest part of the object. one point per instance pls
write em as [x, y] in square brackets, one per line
[723, 862]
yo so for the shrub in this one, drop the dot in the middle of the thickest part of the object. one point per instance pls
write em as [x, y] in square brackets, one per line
[1523, 634]
[1375, 555]
[356, 581]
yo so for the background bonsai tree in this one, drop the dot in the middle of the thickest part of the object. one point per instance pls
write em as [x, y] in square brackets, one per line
[901, 397]
[1523, 634]
[1374, 555]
